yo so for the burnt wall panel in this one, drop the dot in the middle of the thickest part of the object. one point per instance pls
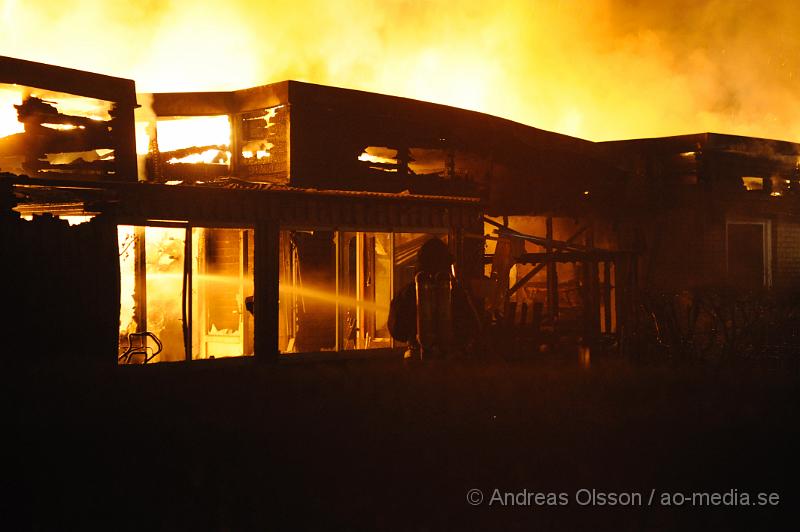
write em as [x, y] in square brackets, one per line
[263, 144]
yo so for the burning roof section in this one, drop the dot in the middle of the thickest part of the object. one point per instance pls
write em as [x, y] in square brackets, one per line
[313, 136]
[710, 165]
[60, 122]
[63, 123]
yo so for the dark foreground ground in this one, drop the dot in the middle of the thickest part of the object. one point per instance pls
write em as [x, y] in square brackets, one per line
[385, 446]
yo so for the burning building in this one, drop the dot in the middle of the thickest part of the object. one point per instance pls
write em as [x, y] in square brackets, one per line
[719, 209]
[282, 219]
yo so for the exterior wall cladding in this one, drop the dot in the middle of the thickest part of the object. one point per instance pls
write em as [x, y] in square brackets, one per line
[693, 195]
[787, 245]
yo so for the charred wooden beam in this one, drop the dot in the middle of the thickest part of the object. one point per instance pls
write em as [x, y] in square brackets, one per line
[79, 165]
[528, 276]
[525, 278]
[544, 242]
[37, 111]
[123, 131]
[185, 152]
[67, 80]
[552, 271]
[192, 103]
[607, 296]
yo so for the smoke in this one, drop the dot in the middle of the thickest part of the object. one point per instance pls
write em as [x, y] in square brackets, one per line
[605, 69]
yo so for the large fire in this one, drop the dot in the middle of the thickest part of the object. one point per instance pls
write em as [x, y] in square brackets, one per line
[604, 69]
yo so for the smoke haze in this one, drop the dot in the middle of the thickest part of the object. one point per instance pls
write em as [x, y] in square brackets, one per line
[604, 69]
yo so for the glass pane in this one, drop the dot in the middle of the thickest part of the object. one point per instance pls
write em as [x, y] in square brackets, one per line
[377, 292]
[349, 288]
[222, 279]
[127, 269]
[307, 290]
[151, 287]
[164, 288]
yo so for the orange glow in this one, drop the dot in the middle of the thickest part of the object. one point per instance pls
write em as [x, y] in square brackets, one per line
[206, 157]
[186, 132]
[9, 97]
[332, 298]
[599, 69]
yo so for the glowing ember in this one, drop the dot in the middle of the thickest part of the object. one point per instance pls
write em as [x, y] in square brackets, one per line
[207, 157]
[259, 154]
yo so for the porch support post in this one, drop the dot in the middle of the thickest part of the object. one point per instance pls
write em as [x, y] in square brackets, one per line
[552, 272]
[265, 281]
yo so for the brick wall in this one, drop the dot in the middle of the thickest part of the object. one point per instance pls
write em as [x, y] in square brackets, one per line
[787, 254]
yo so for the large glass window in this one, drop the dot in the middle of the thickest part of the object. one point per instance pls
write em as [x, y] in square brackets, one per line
[336, 287]
[167, 308]
[151, 266]
[222, 279]
[365, 289]
[307, 291]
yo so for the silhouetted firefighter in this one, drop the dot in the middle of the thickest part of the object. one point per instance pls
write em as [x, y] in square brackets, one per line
[433, 313]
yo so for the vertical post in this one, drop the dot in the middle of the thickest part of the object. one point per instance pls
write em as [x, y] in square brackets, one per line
[265, 290]
[593, 285]
[140, 278]
[607, 297]
[621, 279]
[338, 250]
[360, 292]
[236, 143]
[187, 293]
[123, 133]
[552, 272]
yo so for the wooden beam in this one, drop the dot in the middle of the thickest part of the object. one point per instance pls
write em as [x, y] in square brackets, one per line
[192, 103]
[552, 272]
[607, 296]
[567, 256]
[541, 241]
[592, 303]
[67, 80]
[123, 132]
[527, 277]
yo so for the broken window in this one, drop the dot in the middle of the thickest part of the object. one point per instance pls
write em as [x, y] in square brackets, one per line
[380, 158]
[187, 148]
[429, 162]
[264, 149]
[753, 183]
[47, 133]
[780, 186]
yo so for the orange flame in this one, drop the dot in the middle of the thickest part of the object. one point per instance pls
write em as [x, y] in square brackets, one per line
[598, 69]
